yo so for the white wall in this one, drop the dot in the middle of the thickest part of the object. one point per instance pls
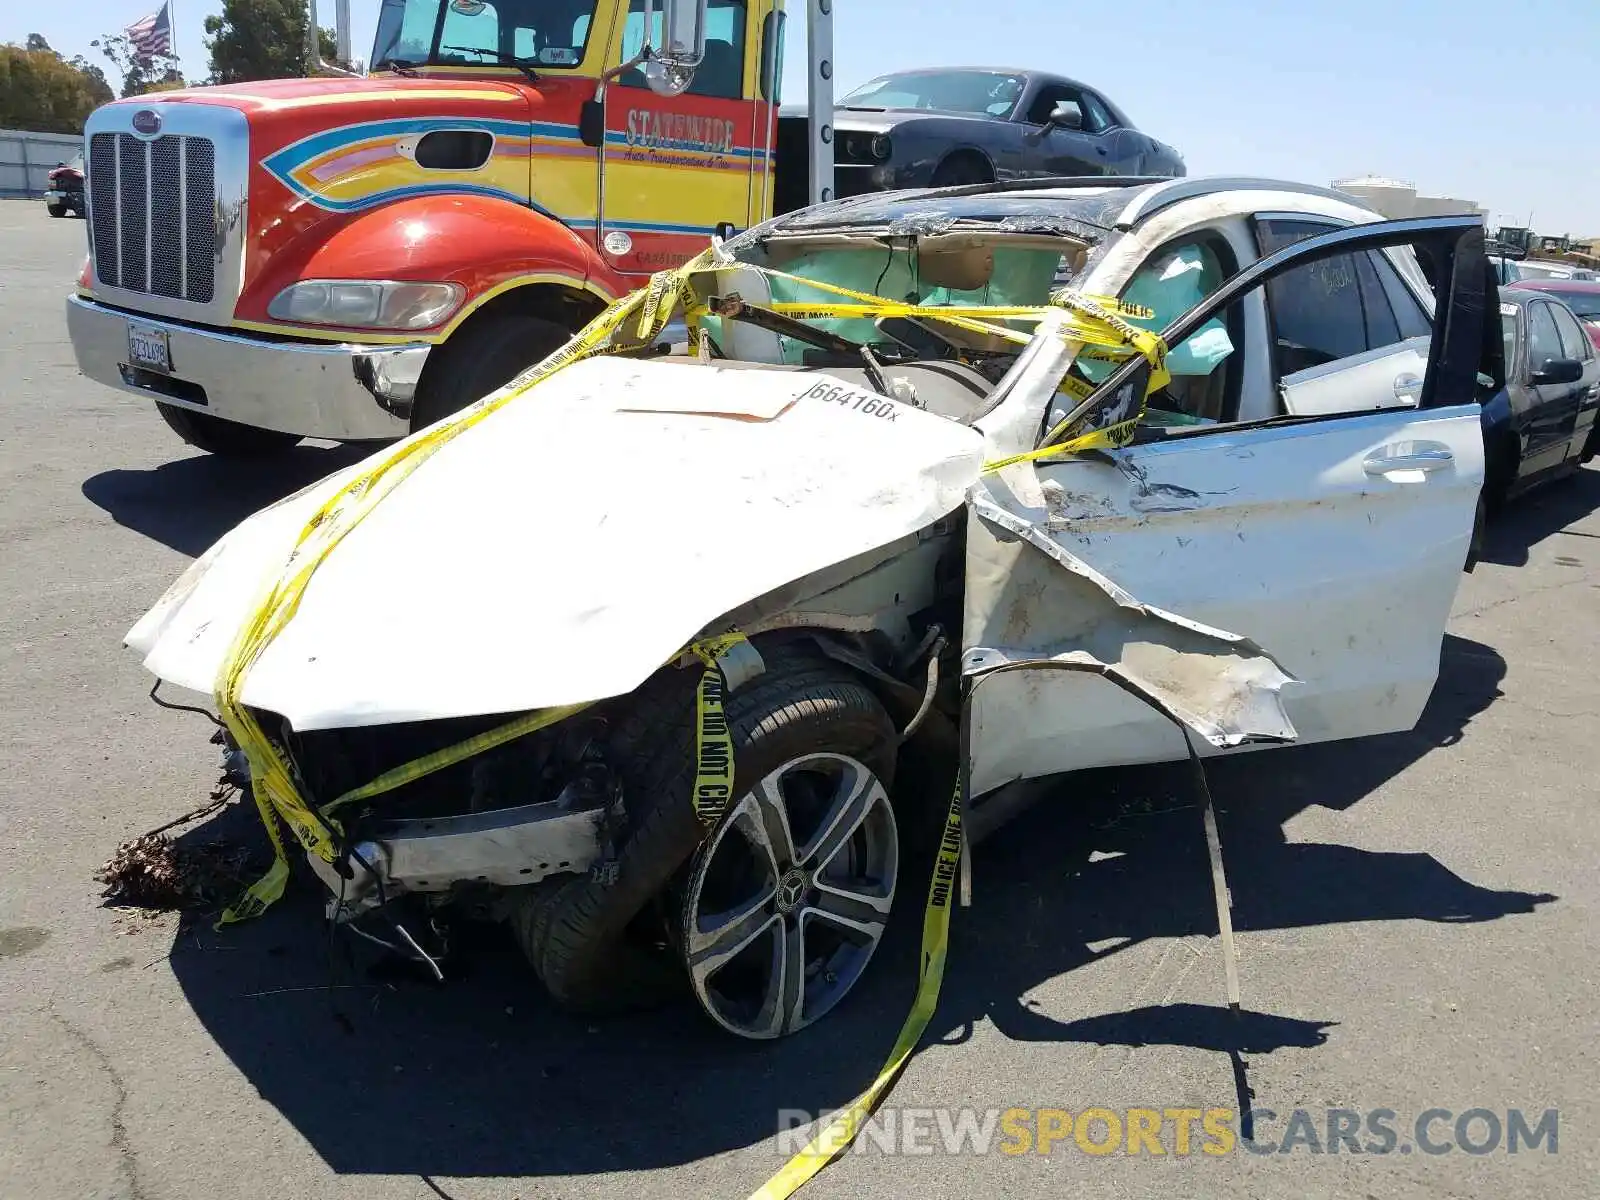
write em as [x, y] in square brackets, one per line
[26, 159]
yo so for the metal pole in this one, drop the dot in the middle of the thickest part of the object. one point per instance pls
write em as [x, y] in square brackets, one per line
[341, 31]
[27, 171]
[819, 97]
[313, 43]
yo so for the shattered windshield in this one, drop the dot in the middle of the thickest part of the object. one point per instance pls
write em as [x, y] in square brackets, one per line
[994, 250]
[1085, 215]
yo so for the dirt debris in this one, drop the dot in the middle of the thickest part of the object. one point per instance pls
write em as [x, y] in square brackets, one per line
[155, 872]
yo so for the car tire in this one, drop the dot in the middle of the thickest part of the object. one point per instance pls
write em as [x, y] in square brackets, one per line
[600, 947]
[821, 733]
[56, 210]
[481, 358]
[961, 168]
[227, 439]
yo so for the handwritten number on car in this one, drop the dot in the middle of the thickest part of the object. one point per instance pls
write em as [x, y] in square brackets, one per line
[869, 403]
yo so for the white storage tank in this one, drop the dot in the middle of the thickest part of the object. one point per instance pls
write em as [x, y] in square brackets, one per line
[1393, 198]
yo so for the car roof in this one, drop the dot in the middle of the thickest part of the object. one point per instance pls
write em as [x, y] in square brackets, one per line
[1106, 203]
[1556, 285]
[1029, 75]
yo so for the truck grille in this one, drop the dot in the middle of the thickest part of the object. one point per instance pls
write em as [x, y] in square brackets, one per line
[153, 214]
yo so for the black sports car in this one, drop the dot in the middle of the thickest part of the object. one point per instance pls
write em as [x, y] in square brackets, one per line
[953, 125]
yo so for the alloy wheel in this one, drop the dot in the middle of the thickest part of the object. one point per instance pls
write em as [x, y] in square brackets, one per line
[789, 897]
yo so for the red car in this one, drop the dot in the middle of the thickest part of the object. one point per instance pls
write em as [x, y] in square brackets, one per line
[1582, 296]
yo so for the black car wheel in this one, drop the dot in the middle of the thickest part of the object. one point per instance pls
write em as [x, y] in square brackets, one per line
[56, 210]
[962, 167]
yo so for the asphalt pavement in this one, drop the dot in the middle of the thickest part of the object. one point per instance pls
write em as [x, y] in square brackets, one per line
[1416, 916]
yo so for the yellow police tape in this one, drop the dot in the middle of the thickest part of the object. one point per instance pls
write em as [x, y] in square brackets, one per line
[272, 777]
[839, 1132]
[1094, 322]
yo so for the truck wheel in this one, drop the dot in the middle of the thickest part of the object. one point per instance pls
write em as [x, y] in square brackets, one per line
[483, 357]
[226, 438]
[56, 210]
[586, 941]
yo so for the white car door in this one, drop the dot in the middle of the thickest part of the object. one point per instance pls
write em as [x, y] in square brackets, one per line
[1334, 543]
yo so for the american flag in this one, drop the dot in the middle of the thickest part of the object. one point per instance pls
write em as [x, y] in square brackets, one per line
[152, 35]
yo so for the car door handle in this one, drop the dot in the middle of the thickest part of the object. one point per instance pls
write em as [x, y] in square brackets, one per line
[1407, 386]
[1424, 459]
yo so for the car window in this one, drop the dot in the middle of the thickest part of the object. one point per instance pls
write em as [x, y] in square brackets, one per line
[1409, 314]
[1374, 388]
[1543, 340]
[1584, 305]
[1096, 117]
[1323, 311]
[1574, 342]
[1168, 284]
[1046, 99]
[1508, 335]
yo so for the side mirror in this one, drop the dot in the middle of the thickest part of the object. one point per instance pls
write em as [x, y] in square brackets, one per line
[592, 123]
[1559, 370]
[1067, 115]
[670, 68]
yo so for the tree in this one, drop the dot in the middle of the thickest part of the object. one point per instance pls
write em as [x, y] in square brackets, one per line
[261, 39]
[139, 73]
[43, 92]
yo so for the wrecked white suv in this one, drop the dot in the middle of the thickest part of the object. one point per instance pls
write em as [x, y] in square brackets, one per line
[863, 491]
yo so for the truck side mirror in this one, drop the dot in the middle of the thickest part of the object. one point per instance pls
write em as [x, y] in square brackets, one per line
[670, 68]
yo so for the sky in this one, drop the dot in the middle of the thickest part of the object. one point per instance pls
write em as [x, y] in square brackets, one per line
[1498, 104]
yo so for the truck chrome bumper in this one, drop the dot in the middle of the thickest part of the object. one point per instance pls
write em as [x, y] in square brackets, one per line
[334, 390]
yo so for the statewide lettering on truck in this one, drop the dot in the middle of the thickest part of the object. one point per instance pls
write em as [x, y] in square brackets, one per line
[656, 130]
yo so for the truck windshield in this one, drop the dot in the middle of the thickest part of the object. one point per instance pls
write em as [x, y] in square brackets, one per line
[549, 34]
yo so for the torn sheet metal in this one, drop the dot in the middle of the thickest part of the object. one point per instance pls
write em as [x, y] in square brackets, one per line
[565, 546]
[1031, 601]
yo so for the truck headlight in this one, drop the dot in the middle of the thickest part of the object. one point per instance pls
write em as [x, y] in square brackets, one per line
[366, 303]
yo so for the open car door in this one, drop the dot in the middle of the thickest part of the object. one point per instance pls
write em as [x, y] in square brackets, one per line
[1327, 545]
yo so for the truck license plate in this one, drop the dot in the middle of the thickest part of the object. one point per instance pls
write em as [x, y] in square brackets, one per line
[148, 348]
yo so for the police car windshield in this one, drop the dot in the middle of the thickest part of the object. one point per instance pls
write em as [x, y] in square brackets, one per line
[547, 34]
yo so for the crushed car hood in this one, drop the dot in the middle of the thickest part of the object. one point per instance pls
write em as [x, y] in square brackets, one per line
[566, 545]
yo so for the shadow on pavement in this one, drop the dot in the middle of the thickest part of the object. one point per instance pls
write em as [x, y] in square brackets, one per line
[1543, 513]
[189, 503]
[483, 1077]
[1202, 1026]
